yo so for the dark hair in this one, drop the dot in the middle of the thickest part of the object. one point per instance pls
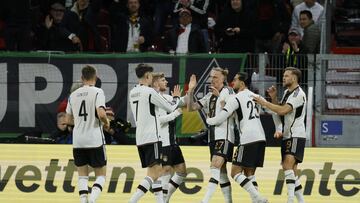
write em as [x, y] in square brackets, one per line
[157, 76]
[142, 68]
[294, 71]
[244, 77]
[307, 13]
[88, 72]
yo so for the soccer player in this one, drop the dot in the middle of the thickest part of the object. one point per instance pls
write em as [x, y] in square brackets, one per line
[143, 101]
[173, 158]
[290, 126]
[221, 137]
[86, 110]
[251, 150]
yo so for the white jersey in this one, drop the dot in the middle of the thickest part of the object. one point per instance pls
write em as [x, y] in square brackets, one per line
[82, 104]
[143, 101]
[294, 122]
[167, 122]
[246, 116]
[212, 106]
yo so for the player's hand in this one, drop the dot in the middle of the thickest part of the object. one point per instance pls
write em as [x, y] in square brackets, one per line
[110, 113]
[259, 100]
[272, 91]
[141, 40]
[48, 22]
[286, 46]
[214, 91]
[177, 91]
[107, 126]
[192, 82]
[278, 134]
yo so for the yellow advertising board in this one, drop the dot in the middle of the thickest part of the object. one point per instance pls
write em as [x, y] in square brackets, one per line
[46, 173]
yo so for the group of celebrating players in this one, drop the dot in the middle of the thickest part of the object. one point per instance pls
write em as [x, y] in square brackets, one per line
[228, 109]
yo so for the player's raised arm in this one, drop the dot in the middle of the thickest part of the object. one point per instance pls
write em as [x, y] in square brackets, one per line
[160, 102]
[191, 104]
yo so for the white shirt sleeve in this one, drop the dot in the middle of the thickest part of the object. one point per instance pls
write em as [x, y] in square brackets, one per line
[68, 107]
[169, 117]
[277, 122]
[100, 99]
[296, 100]
[160, 101]
[205, 100]
[227, 111]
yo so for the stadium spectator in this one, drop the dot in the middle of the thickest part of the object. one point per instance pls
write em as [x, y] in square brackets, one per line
[234, 29]
[292, 47]
[17, 20]
[199, 13]
[163, 9]
[49, 35]
[131, 31]
[79, 25]
[314, 7]
[185, 37]
[311, 39]
[294, 55]
[272, 23]
[63, 132]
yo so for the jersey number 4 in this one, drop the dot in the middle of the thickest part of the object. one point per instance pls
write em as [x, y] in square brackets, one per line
[250, 105]
[82, 111]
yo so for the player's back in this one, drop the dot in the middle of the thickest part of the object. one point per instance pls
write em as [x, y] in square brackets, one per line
[87, 132]
[144, 114]
[248, 118]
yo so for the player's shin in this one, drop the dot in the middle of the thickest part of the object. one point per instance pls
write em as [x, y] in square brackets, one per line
[174, 183]
[97, 188]
[225, 187]
[142, 188]
[83, 188]
[298, 191]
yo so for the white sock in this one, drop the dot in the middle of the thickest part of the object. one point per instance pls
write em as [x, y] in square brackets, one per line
[247, 185]
[174, 183]
[165, 183]
[253, 180]
[83, 188]
[142, 188]
[225, 187]
[213, 182]
[290, 183]
[298, 191]
[156, 187]
[96, 189]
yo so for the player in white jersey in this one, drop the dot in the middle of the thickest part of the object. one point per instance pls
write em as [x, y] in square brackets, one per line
[172, 156]
[290, 125]
[251, 150]
[221, 137]
[86, 110]
[143, 101]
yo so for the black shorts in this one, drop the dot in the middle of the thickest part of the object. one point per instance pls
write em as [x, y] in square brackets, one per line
[150, 154]
[172, 155]
[222, 148]
[294, 146]
[94, 157]
[250, 155]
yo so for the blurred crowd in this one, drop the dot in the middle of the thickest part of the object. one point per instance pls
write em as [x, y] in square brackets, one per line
[172, 26]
